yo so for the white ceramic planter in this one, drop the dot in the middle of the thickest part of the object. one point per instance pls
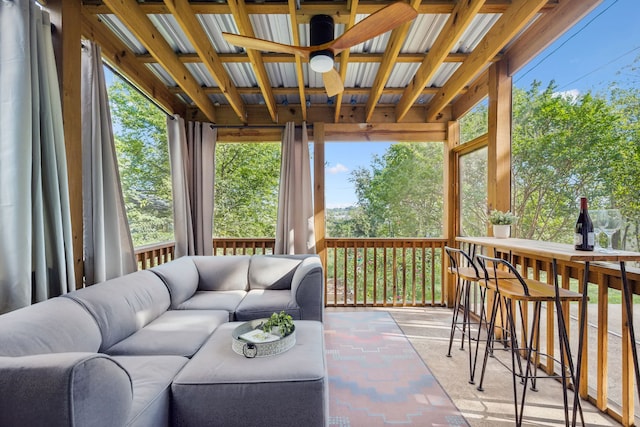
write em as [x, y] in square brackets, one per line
[501, 231]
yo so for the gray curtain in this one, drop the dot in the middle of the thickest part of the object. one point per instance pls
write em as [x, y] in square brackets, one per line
[108, 249]
[36, 255]
[294, 229]
[192, 159]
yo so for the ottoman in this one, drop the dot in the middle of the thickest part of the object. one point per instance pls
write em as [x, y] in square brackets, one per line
[219, 387]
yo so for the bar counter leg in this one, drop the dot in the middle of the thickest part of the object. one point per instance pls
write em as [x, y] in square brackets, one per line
[628, 307]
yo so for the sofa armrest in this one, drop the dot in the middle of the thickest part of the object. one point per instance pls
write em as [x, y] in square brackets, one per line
[64, 389]
[307, 288]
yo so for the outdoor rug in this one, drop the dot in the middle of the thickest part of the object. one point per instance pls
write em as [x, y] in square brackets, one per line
[376, 378]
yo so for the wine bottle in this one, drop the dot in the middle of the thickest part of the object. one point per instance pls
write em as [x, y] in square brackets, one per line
[584, 238]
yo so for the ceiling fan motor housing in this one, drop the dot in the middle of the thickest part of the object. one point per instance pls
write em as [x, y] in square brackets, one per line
[321, 31]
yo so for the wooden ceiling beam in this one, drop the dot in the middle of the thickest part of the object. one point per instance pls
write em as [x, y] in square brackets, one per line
[284, 58]
[259, 116]
[338, 10]
[192, 28]
[392, 50]
[344, 58]
[125, 62]
[458, 22]
[418, 132]
[295, 32]
[546, 30]
[239, 11]
[516, 17]
[139, 24]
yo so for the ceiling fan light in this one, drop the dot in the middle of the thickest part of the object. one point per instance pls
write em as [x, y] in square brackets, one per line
[321, 63]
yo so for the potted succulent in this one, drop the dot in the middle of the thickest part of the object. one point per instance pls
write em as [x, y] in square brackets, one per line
[501, 222]
[279, 324]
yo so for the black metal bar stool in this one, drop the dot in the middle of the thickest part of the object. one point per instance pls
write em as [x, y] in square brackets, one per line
[512, 294]
[466, 273]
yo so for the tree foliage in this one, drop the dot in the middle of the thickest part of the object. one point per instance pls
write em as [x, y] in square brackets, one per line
[246, 190]
[626, 170]
[140, 135]
[400, 195]
[473, 193]
[563, 147]
[475, 123]
[246, 185]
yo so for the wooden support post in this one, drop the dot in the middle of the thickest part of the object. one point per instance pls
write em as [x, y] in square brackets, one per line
[499, 133]
[451, 220]
[318, 194]
[66, 17]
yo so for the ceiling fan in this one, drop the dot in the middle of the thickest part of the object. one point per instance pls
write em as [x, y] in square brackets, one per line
[324, 47]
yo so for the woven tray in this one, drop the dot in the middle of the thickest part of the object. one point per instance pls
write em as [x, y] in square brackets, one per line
[251, 350]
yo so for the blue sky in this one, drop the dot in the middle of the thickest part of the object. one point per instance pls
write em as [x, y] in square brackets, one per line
[589, 56]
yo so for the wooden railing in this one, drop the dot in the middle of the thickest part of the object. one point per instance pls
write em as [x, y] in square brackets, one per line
[155, 254]
[148, 256]
[359, 272]
[607, 375]
[250, 246]
[384, 272]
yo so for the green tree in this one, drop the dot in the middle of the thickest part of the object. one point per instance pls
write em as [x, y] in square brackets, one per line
[473, 193]
[347, 222]
[246, 190]
[563, 147]
[475, 123]
[402, 194]
[626, 186]
[141, 145]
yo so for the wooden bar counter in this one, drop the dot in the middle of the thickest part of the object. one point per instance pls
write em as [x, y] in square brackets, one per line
[554, 252]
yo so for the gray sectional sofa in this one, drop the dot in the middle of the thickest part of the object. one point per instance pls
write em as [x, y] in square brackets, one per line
[108, 354]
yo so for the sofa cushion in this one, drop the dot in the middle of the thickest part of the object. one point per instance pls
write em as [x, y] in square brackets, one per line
[221, 388]
[64, 389]
[260, 303]
[273, 271]
[223, 273]
[181, 277]
[176, 333]
[124, 305]
[151, 377]
[214, 300]
[56, 325]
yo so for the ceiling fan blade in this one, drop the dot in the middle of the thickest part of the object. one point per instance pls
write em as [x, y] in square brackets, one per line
[377, 23]
[265, 45]
[332, 82]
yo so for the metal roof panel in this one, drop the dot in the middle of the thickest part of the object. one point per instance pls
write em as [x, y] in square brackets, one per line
[172, 33]
[475, 32]
[123, 33]
[214, 25]
[423, 33]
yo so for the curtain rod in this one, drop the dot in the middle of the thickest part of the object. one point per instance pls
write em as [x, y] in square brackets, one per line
[275, 126]
[214, 126]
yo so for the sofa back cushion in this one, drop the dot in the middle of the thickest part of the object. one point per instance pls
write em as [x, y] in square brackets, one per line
[273, 271]
[124, 305]
[181, 277]
[223, 273]
[57, 325]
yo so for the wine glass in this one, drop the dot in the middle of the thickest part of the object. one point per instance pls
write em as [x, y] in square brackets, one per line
[613, 224]
[599, 219]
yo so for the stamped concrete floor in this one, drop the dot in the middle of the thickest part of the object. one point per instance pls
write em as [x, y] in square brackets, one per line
[428, 331]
